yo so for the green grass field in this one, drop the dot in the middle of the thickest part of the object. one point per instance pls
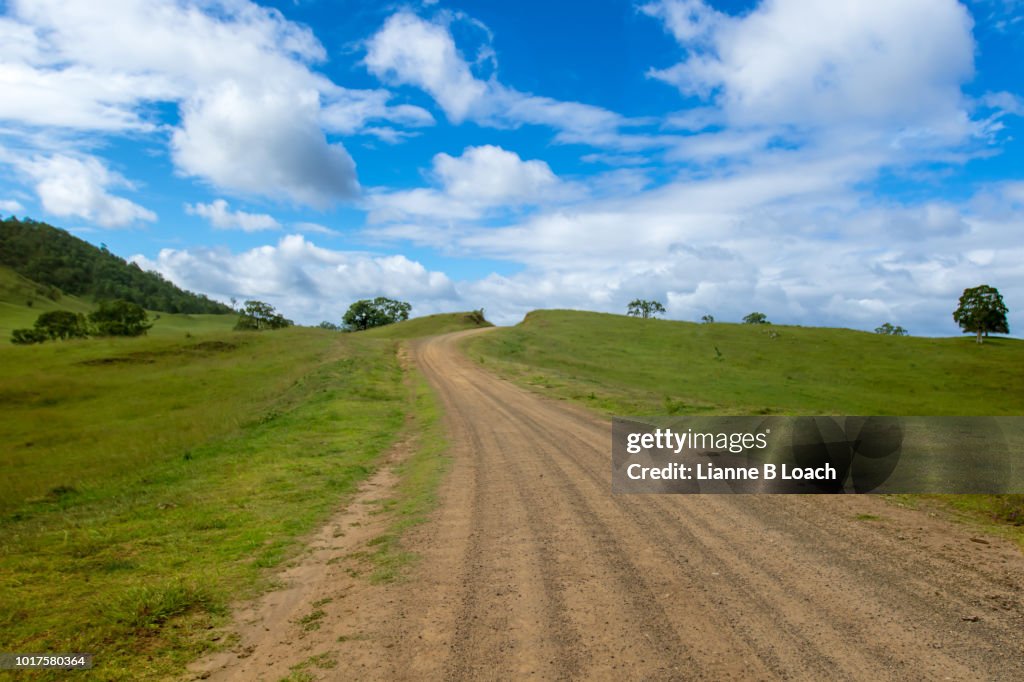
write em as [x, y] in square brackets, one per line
[149, 482]
[625, 366]
[629, 366]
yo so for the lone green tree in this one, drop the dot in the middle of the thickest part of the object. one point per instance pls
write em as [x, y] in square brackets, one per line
[982, 311]
[756, 318]
[367, 313]
[119, 318]
[259, 315]
[889, 329]
[644, 309]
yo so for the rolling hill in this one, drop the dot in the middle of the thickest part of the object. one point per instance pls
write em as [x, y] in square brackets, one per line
[61, 264]
[625, 365]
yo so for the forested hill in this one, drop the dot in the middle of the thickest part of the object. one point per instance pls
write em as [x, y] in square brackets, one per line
[52, 257]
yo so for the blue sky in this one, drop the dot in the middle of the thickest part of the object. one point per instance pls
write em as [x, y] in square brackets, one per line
[827, 162]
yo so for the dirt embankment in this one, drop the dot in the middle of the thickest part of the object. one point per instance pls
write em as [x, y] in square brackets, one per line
[531, 568]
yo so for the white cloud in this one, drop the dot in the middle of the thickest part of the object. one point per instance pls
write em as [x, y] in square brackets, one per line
[410, 50]
[349, 110]
[800, 248]
[481, 178]
[263, 142]
[804, 247]
[492, 175]
[826, 62]
[315, 228]
[11, 206]
[305, 282]
[253, 107]
[78, 186]
[223, 218]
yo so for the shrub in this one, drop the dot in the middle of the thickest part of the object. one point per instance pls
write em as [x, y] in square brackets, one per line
[119, 318]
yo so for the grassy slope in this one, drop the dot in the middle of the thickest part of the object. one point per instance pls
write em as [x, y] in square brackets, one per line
[16, 292]
[621, 365]
[148, 482]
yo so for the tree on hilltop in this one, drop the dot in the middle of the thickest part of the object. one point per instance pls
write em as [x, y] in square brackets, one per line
[644, 309]
[258, 315]
[367, 313]
[756, 318]
[889, 330]
[982, 311]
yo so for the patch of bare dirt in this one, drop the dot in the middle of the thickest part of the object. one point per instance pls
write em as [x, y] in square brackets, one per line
[308, 620]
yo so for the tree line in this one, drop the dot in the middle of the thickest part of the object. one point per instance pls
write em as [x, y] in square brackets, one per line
[63, 263]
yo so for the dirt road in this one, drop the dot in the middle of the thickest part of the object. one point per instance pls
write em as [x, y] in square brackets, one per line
[531, 568]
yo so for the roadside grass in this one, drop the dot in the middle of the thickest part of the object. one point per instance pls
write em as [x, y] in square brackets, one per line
[618, 365]
[1008, 509]
[150, 482]
[1000, 515]
[419, 478]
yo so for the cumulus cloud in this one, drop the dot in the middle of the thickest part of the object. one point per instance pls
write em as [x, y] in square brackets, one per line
[802, 105]
[78, 187]
[253, 107]
[826, 62]
[409, 50]
[304, 281]
[223, 218]
[264, 142]
[481, 178]
[802, 247]
[493, 175]
[711, 246]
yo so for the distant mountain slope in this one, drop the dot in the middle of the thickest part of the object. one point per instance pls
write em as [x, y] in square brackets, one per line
[51, 257]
